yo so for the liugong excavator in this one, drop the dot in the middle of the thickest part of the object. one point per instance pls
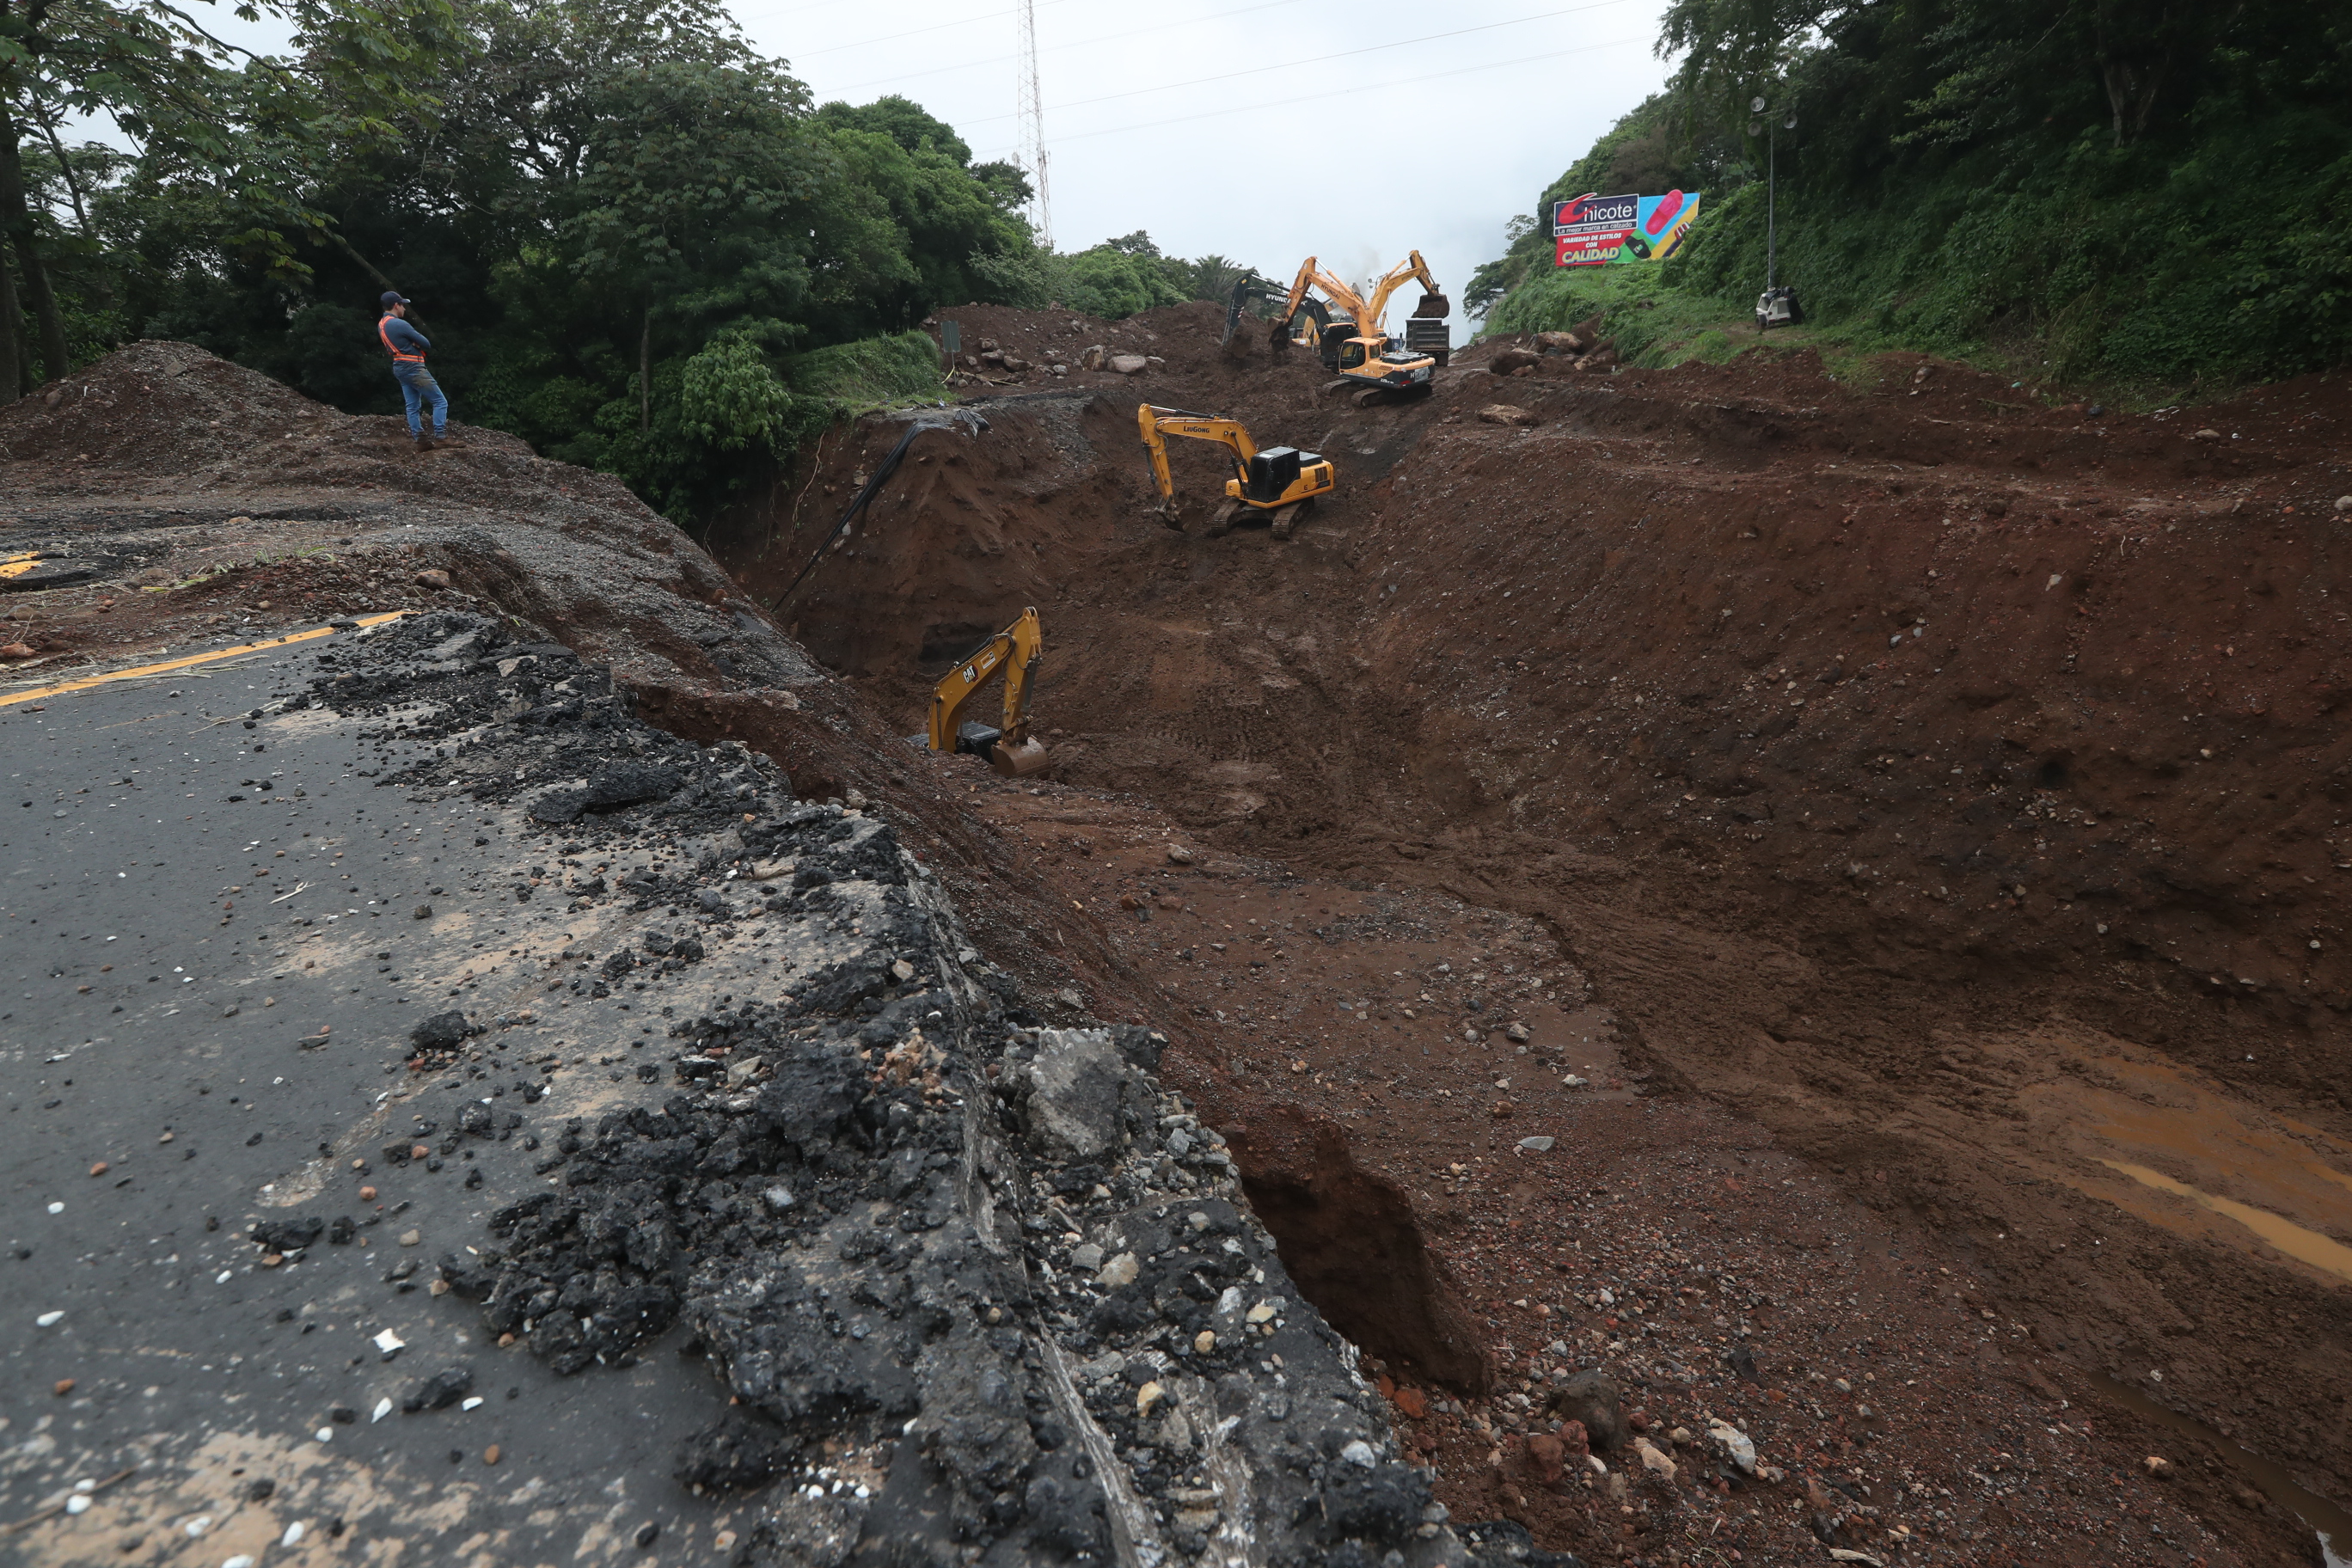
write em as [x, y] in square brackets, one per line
[1009, 749]
[1280, 482]
[1347, 332]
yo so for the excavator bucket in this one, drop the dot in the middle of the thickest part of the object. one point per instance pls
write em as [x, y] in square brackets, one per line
[1018, 760]
[1433, 305]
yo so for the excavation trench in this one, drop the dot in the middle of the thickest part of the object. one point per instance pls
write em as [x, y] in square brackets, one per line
[1917, 795]
[1845, 755]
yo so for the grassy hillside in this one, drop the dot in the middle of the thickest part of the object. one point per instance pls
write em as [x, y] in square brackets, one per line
[1924, 205]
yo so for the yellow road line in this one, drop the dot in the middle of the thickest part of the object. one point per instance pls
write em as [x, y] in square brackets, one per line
[17, 565]
[39, 692]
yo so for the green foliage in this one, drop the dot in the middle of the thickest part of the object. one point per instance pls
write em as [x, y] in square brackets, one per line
[633, 240]
[868, 372]
[729, 399]
[2156, 194]
[618, 222]
[253, 130]
[904, 121]
[1113, 280]
[1109, 282]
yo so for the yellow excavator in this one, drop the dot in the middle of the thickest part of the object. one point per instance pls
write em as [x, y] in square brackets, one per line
[1281, 482]
[1347, 330]
[1010, 750]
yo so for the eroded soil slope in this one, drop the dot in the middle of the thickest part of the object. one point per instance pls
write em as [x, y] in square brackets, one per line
[1948, 784]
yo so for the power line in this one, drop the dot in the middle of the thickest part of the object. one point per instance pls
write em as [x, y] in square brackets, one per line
[1344, 92]
[1074, 44]
[1317, 59]
[912, 32]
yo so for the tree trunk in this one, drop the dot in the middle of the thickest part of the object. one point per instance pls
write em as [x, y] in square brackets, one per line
[12, 332]
[20, 221]
[381, 281]
[48, 122]
[646, 372]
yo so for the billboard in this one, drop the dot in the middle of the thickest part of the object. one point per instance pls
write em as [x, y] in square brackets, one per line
[1595, 230]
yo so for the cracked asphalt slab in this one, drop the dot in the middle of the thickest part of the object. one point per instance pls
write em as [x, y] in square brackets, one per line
[480, 1123]
[224, 1048]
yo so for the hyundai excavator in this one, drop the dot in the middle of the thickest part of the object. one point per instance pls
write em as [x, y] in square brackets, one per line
[1348, 334]
[1010, 750]
[1281, 482]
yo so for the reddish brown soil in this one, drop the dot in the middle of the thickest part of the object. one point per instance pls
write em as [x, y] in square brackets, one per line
[1608, 711]
[1936, 792]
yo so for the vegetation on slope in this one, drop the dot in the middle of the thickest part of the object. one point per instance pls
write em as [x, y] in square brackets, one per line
[2155, 194]
[634, 240]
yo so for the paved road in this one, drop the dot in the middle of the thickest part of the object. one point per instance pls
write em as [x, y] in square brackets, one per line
[189, 902]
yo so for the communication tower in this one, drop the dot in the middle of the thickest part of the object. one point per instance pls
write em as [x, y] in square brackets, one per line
[1033, 123]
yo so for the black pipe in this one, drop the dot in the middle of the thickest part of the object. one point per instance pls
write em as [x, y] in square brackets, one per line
[873, 487]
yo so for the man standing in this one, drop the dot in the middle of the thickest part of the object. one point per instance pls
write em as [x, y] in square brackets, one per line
[407, 346]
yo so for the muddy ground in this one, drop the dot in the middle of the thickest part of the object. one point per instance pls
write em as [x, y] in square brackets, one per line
[1814, 901]
[1941, 783]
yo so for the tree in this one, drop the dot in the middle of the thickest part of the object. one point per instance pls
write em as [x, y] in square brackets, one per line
[257, 126]
[682, 208]
[903, 121]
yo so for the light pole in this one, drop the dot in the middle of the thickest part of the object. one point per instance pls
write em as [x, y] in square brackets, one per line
[1777, 304]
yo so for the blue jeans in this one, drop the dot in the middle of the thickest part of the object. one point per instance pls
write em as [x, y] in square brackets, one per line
[417, 386]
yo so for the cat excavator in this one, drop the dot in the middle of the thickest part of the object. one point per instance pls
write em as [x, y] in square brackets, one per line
[1010, 750]
[1281, 482]
[1347, 330]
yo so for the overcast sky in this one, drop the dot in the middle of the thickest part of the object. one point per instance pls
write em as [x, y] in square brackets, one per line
[1267, 130]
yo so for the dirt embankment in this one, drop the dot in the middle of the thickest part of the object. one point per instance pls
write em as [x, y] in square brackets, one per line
[177, 502]
[1948, 782]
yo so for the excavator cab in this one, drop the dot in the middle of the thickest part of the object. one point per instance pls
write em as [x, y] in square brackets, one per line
[1272, 474]
[1279, 483]
[1009, 749]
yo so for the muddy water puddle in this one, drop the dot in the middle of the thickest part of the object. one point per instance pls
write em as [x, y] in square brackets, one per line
[2305, 1246]
[2192, 1158]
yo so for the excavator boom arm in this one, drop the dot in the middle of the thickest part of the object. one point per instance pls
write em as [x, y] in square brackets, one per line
[1297, 297]
[1028, 639]
[1155, 422]
[1369, 324]
[1019, 647]
[1343, 298]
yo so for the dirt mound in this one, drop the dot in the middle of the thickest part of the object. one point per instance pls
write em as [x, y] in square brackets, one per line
[1923, 770]
[161, 411]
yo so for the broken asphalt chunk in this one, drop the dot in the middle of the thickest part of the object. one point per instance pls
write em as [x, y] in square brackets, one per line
[440, 1391]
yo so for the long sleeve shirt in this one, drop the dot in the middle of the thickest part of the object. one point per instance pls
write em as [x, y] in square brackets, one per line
[402, 338]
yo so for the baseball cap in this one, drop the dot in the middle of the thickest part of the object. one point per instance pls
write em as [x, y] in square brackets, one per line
[393, 297]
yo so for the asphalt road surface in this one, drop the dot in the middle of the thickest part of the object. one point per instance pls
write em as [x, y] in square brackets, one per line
[212, 963]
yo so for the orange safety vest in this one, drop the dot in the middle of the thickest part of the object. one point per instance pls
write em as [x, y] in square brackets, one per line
[397, 356]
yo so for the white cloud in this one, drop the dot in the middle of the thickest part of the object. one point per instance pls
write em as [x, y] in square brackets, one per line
[1231, 128]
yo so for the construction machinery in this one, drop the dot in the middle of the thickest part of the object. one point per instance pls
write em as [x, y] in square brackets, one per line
[1009, 749]
[1278, 482]
[1346, 329]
